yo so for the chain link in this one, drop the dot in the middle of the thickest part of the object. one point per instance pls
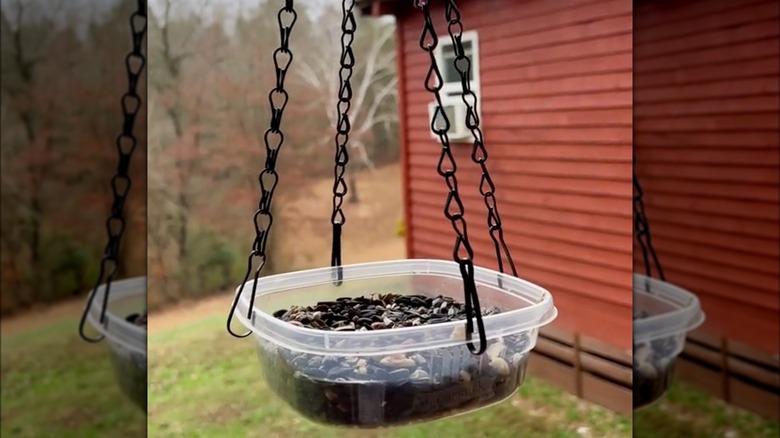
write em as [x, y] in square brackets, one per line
[268, 177]
[642, 230]
[120, 184]
[463, 253]
[348, 28]
[478, 153]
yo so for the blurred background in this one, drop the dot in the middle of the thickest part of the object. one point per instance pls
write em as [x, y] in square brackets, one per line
[560, 108]
[63, 74]
[567, 88]
[706, 133]
[210, 74]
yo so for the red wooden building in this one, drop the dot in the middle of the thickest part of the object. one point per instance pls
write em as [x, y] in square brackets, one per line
[553, 79]
[706, 130]
[566, 89]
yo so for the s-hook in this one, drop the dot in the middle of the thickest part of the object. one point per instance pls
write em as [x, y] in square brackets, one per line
[479, 153]
[274, 139]
[348, 28]
[463, 254]
[642, 230]
[268, 177]
[121, 182]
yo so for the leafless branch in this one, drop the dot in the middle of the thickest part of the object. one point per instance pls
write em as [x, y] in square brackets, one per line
[371, 84]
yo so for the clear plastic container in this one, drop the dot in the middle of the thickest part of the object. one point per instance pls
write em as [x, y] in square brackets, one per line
[397, 376]
[127, 341]
[668, 313]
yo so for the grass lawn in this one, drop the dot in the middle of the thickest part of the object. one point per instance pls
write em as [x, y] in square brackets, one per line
[204, 383]
[687, 412]
[56, 385]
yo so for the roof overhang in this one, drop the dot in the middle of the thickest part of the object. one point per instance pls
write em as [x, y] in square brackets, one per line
[378, 8]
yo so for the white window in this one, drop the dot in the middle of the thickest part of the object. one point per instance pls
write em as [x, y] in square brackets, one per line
[452, 89]
[445, 58]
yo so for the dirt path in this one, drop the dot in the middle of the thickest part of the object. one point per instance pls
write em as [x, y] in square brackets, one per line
[304, 233]
[182, 313]
[42, 315]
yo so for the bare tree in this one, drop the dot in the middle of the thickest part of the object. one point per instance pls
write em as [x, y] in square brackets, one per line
[38, 103]
[209, 110]
[181, 35]
[373, 82]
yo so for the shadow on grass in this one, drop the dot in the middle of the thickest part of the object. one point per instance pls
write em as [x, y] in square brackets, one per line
[55, 384]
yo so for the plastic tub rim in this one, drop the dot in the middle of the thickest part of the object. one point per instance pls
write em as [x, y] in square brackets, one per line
[539, 313]
[546, 297]
[380, 351]
[115, 329]
[682, 320]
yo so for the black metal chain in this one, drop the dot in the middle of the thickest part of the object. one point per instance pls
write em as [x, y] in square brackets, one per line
[642, 230]
[268, 178]
[348, 28]
[120, 184]
[479, 153]
[463, 254]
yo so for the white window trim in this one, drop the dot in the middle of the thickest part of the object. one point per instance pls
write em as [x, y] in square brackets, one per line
[451, 93]
[455, 87]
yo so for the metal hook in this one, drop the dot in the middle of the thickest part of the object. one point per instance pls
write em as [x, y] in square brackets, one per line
[91, 299]
[465, 262]
[479, 151]
[83, 321]
[238, 297]
[230, 318]
[473, 309]
[642, 230]
[120, 196]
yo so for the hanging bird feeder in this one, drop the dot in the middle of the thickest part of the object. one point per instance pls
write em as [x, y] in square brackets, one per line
[663, 316]
[117, 310]
[396, 342]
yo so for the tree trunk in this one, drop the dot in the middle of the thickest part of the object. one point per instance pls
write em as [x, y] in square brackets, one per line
[353, 192]
[35, 245]
[184, 223]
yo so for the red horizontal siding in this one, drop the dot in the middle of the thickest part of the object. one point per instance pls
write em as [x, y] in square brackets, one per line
[750, 68]
[565, 152]
[706, 122]
[536, 17]
[584, 186]
[610, 63]
[707, 139]
[610, 250]
[551, 134]
[726, 54]
[556, 115]
[716, 13]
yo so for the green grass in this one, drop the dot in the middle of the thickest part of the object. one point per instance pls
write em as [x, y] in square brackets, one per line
[204, 383]
[686, 411]
[54, 384]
